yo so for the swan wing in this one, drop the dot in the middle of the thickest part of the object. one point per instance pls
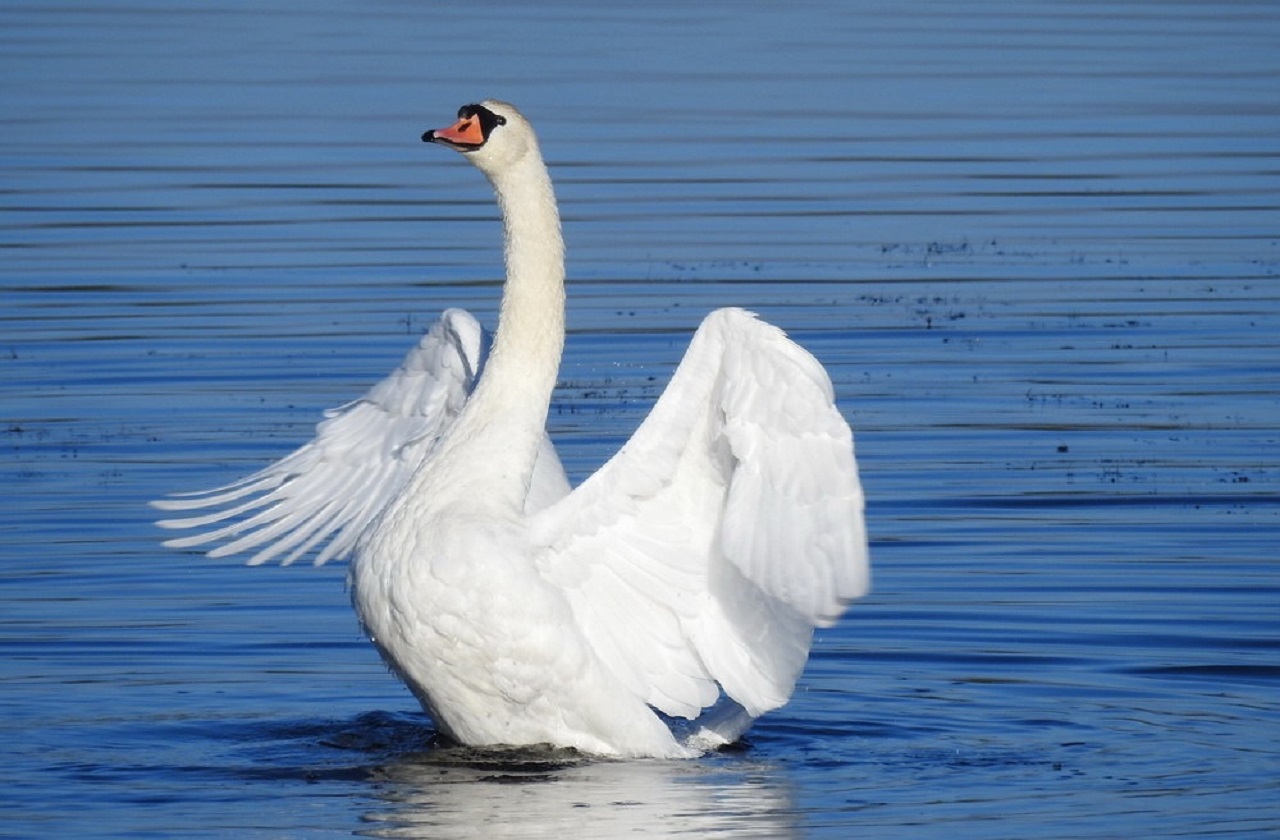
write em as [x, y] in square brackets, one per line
[363, 453]
[703, 554]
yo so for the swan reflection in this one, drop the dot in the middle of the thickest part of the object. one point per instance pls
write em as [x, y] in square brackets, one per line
[528, 793]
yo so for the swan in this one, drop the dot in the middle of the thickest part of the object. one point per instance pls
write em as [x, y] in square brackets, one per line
[655, 610]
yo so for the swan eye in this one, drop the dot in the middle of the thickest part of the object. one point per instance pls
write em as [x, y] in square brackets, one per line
[488, 119]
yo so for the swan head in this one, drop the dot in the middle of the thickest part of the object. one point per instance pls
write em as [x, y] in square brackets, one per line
[492, 135]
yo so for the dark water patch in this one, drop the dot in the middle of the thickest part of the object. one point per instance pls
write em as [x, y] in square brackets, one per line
[1259, 673]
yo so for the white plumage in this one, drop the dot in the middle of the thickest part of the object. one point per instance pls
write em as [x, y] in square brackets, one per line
[685, 576]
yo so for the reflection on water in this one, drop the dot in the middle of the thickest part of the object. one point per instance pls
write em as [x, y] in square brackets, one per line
[1035, 245]
[444, 794]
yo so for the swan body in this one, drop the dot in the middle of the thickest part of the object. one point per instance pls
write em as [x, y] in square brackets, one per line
[682, 580]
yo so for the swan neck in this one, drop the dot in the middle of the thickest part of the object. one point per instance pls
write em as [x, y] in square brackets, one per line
[507, 414]
[531, 317]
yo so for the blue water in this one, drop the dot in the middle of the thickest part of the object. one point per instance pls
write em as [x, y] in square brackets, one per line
[1037, 246]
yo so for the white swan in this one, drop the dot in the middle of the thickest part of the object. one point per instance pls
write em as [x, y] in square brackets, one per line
[684, 577]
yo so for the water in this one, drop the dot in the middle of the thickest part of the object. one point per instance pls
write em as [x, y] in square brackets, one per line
[1036, 245]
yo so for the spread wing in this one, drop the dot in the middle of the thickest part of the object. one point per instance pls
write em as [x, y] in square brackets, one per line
[326, 492]
[704, 553]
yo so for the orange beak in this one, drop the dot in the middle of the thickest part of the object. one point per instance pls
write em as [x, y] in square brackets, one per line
[465, 135]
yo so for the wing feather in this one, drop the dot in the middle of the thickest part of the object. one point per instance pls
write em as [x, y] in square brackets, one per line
[704, 553]
[329, 490]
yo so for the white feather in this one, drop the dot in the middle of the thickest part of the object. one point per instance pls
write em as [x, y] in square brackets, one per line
[363, 453]
[726, 528]
[686, 575]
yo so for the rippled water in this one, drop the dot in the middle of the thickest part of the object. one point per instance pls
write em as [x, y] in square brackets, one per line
[1036, 245]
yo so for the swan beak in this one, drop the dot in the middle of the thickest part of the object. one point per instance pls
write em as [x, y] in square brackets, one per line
[465, 135]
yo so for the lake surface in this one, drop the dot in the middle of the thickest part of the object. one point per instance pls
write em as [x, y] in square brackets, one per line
[1037, 246]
